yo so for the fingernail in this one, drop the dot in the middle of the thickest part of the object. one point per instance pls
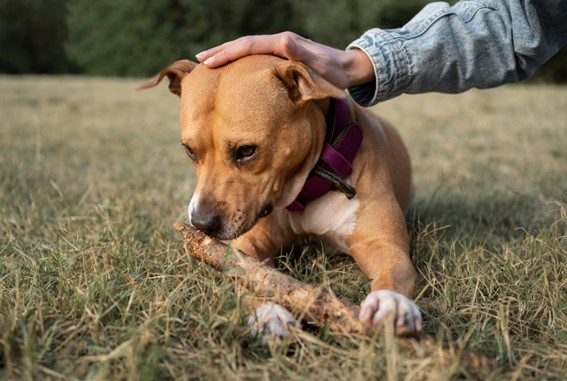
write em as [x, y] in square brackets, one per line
[208, 60]
[199, 55]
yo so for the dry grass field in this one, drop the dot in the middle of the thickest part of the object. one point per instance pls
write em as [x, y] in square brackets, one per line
[95, 284]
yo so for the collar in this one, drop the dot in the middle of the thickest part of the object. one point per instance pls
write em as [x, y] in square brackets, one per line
[342, 142]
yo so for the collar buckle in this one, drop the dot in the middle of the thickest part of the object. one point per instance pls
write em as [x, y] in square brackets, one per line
[344, 138]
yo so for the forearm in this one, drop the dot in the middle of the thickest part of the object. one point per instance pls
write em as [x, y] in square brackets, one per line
[452, 49]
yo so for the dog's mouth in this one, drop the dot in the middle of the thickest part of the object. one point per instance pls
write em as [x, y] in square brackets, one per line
[239, 225]
[265, 211]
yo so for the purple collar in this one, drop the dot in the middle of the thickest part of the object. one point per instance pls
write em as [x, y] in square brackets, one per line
[342, 143]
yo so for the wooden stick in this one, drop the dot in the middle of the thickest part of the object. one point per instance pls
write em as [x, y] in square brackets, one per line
[318, 307]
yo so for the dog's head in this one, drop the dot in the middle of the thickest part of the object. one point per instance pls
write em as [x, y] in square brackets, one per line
[254, 129]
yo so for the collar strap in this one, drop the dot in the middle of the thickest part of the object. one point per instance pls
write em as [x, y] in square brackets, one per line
[342, 143]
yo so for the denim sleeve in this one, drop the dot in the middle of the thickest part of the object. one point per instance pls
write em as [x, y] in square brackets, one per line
[451, 49]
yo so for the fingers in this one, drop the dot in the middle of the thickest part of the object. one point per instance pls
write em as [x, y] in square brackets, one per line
[244, 46]
[206, 54]
[286, 45]
[342, 69]
[225, 53]
[294, 47]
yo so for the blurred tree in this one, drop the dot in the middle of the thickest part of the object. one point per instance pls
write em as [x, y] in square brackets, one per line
[139, 37]
[32, 34]
[134, 37]
[554, 70]
[346, 20]
[109, 37]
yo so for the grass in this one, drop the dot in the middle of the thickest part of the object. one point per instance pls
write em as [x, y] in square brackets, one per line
[95, 284]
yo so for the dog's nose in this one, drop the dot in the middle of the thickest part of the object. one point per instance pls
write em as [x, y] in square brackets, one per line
[209, 223]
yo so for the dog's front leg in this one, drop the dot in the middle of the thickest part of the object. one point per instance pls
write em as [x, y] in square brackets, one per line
[380, 246]
[268, 320]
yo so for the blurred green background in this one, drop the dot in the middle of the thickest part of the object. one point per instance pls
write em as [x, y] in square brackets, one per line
[138, 37]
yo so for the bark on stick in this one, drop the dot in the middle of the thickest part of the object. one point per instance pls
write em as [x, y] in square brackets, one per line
[315, 306]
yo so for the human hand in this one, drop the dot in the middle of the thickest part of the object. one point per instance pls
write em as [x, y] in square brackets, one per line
[341, 68]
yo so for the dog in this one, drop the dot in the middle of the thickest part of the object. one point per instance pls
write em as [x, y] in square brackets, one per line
[280, 154]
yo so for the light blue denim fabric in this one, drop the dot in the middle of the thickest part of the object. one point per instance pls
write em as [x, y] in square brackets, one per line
[450, 49]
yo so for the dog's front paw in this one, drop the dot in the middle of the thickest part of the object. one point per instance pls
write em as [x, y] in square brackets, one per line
[389, 308]
[272, 321]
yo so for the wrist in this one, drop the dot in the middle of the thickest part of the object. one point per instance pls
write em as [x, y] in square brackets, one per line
[358, 67]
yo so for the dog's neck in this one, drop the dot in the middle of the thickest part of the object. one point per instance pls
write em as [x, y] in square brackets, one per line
[342, 142]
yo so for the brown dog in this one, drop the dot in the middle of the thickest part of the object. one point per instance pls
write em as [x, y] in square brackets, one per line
[256, 129]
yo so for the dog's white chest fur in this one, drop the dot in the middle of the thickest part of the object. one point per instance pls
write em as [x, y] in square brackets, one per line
[331, 217]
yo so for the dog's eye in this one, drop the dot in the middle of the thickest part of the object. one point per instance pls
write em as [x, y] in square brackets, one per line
[190, 152]
[244, 153]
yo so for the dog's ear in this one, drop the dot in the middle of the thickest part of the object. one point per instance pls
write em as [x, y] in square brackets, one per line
[304, 84]
[175, 73]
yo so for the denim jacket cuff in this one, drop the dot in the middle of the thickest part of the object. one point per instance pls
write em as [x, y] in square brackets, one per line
[391, 67]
